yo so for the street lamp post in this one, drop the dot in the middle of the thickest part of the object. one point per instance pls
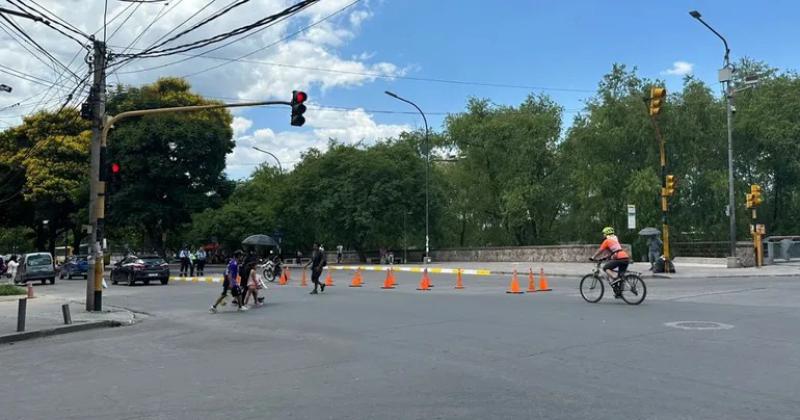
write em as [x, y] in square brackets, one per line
[280, 167]
[427, 170]
[405, 238]
[725, 77]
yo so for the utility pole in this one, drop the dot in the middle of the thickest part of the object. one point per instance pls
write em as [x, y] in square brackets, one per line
[655, 101]
[97, 98]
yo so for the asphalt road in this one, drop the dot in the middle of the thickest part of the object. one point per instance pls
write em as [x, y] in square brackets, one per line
[369, 353]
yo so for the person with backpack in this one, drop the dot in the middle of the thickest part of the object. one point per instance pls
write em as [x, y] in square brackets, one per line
[231, 282]
[318, 262]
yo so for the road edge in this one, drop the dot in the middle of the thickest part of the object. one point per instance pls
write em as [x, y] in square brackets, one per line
[66, 329]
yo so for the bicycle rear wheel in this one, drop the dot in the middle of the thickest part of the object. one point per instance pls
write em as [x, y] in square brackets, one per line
[633, 289]
[592, 288]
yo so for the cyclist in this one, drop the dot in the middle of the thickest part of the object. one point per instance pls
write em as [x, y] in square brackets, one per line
[617, 256]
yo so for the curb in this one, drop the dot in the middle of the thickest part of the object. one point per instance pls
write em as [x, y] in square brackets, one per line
[29, 335]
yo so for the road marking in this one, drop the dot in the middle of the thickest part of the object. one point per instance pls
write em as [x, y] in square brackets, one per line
[468, 271]
[698, 325]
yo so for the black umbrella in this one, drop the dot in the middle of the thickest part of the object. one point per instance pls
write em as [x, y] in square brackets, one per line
[649, 231]
[259, 240]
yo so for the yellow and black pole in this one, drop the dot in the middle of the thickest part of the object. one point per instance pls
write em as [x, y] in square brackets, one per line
[655, 102]
[753, 201]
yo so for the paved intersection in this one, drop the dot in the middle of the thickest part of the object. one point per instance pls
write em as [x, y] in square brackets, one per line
[404, 354]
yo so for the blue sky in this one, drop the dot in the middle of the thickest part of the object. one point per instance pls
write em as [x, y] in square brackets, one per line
[566, 45]
[569, 44]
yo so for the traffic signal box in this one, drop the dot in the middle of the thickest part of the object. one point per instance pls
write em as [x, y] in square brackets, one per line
[658, 96]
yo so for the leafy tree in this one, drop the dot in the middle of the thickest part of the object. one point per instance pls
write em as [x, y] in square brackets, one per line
[172, 163]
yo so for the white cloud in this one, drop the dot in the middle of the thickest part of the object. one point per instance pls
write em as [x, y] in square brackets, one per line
[317, 47]
[348, 126]
[679, 68]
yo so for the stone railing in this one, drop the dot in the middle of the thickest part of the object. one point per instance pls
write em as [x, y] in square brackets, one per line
[546, 253]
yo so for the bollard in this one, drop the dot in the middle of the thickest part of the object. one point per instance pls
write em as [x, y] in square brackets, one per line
[30, 289]
[21, 309]
[65, 312]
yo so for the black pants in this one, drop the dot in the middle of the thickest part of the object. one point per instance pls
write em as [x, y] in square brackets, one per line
[201, 264]
[315, 275]
[184, 266]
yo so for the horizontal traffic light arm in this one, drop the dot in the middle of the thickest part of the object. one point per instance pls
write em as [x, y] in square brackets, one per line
[141, 112]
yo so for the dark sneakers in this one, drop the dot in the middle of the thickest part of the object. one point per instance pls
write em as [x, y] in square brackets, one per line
[322, 287]
[313, 292]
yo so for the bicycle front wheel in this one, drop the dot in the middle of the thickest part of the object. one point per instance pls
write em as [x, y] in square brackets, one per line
[633, 289]
[592, 288]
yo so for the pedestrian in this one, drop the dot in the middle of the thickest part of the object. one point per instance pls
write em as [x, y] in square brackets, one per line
[318, 262]
[183, 255]
[230, 282]
[339, 251]
[247, 267]
[253, 286]
[192, 263]
[3, 267]
[13, 265]
[299, 257]
[654, 244]
[200, 256]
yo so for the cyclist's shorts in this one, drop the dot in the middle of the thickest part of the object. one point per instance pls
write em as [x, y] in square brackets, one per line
[620, 265]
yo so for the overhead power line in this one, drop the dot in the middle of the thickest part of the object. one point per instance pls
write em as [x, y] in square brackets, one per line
[267, 21]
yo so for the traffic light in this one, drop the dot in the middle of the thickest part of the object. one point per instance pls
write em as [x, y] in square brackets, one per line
[669, 188]
[298, 97]
[749, 203]
[657, 97]
[755, 193]
[114, 173]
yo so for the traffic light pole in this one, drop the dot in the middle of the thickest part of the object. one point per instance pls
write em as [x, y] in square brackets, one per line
[664, 201]
[94, 282]
[100, 129]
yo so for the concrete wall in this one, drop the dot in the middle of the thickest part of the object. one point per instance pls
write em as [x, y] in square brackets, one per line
[549, 253]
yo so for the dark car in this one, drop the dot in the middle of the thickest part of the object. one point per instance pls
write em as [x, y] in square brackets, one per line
[74, 267]
[142, 269]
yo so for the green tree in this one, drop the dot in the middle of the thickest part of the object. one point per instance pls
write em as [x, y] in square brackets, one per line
[172, 164]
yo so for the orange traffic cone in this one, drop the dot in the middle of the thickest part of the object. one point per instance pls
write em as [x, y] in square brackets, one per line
[394, 279]
[425, 282]
[543, 287]
[388, 283]
[513, 287]
[459, 280]
[356, 279]
[329, 280]
[531, 282]
[304, 280]
[288, 274]
[283, 280]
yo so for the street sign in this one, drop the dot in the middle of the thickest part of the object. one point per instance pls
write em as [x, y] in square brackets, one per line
[631, 216]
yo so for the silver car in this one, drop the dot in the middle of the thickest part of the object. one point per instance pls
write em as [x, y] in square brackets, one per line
[36, 266]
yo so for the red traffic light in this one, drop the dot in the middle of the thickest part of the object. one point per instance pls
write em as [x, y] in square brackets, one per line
[298, 96]
[115, 168]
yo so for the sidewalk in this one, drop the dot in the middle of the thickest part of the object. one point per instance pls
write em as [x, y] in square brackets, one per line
[685, 270]
[44, 317]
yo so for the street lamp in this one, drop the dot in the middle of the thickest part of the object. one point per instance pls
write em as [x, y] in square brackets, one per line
[427, 170]
[280, 168]
[5, 88]
[405, 238]
[725, 76]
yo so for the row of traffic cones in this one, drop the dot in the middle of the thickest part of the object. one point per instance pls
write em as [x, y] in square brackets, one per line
[425, 282]
[514, 288]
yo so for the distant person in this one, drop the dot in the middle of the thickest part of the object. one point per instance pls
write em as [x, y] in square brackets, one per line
[299, 257]
[654, 244]
[12, 266]
[200, 258]
[252, 286]
[318, 262]
[339, 252]
[3, 267]
[183, 255]
[192, 263]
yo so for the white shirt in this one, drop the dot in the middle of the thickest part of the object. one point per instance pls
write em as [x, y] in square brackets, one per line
[12, 268]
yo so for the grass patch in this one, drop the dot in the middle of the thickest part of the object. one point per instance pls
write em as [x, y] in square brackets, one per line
[11, 290]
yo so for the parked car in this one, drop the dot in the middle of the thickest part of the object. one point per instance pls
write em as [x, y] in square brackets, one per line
[142, 269]
[36, 266]
[75, 266]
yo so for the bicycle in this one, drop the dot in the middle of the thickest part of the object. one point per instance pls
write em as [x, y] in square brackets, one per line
[633, 290]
